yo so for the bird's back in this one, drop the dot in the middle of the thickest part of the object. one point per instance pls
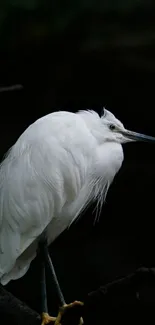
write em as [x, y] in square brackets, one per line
[47, 178]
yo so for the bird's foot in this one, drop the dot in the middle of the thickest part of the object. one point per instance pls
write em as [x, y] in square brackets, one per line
[46, 318]
[65, 308]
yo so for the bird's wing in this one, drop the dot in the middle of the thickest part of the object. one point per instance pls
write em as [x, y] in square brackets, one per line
[31, 192]
[44, 170]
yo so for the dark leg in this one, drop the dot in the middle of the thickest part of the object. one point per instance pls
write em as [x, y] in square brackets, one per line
[63, 306]
[44, 308]
[51, 266]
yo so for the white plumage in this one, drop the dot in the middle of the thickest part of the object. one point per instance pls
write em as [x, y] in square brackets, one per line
[58, 166]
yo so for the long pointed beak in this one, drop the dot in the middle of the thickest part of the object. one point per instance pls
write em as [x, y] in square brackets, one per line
[134, 136]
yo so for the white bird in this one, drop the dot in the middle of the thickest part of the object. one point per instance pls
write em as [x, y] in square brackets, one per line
[57, 167]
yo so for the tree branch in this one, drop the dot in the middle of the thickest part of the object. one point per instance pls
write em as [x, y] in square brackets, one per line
[17, 312]
[135, 280]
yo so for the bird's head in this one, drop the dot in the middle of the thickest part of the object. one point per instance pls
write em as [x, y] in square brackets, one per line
[115, 131]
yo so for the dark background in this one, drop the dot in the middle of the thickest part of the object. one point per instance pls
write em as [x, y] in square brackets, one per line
[78, 55]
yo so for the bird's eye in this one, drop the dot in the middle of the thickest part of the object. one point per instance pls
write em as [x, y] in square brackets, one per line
[112, 127]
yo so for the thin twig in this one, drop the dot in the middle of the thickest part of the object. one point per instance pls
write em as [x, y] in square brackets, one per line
[11, 88]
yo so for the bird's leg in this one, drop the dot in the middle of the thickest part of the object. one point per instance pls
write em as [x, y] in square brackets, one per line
[63, 306]
[45, 316]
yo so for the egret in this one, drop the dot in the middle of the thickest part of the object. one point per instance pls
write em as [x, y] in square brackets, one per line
[57, 167]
